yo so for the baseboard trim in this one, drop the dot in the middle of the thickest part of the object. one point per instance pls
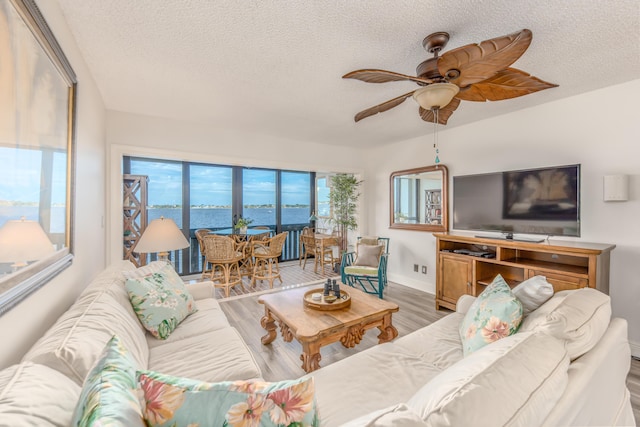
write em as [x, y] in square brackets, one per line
[412, 283]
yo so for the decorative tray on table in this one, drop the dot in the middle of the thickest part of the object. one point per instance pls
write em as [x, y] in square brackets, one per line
[326, 302]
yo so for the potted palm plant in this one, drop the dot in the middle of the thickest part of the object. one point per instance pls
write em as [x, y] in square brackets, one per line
[343, 196]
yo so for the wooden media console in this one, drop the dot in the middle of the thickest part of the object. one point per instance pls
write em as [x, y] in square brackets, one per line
[466, 264]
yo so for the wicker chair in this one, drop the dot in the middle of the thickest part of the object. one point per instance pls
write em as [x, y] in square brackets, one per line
[246, 263]
[262, 236]
[306, 231]
[265, 254]
[321, 255]
[221, 253]
[200, 233]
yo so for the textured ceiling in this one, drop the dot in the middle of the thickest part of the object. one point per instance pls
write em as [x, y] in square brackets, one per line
[275, 66]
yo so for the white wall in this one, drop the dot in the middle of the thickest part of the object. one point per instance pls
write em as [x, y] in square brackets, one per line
[136, 135]
[600, 130]
[24, 324]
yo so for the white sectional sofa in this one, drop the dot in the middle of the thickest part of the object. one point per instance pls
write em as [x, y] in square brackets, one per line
[204, 346]
[567, 366]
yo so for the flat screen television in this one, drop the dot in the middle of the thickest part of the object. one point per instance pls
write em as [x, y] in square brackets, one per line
[532, 201]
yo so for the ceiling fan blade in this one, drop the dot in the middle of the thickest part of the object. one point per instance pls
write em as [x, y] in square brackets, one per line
[382, 76]
[380, 108]
[506, 84]
[443, 113]
[474, 63]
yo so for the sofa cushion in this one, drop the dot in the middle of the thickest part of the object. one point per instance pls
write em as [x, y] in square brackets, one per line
[495, 314]
[174, 401]
[114, 273]
[74, 343]
[399, 415]
[361, 270]
[209, 317]
[368, 380]
[532, 293]
[437, 344]
[515, 381]
[214, 356]
[161, 300]
[110, 393]
[579, 316]
[36, 395]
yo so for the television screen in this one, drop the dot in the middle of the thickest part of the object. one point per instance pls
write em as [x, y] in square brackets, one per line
[533, 201]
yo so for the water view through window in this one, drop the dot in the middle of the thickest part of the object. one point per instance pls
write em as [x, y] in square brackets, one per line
[218, 194]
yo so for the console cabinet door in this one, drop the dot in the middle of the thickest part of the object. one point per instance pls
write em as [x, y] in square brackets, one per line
[455, 279]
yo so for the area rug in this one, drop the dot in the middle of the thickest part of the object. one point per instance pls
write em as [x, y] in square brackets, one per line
[293, 276]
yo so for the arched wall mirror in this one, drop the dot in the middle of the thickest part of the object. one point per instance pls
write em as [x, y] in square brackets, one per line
[419, 199]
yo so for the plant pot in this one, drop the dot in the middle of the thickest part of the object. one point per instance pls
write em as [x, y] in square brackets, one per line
[243, 230]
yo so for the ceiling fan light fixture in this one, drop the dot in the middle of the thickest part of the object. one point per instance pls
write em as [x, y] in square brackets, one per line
[435, 95]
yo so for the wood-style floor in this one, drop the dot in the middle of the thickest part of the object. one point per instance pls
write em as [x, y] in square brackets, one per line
[280, 360]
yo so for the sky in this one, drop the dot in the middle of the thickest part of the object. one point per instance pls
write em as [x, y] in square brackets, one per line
[20, 175]
[211, 185]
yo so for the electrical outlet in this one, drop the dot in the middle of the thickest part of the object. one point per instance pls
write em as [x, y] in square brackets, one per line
[424, 269]
[415, 267]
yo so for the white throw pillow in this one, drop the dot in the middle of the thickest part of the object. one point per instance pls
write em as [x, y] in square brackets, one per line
[581, 318]
[532, 293]
[515, 381]
[368, 256]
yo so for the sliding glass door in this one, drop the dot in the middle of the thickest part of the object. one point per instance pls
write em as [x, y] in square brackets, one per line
[217, 195]
[259, 197]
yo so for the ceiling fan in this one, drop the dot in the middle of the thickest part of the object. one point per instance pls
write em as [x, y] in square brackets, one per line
[475, 72]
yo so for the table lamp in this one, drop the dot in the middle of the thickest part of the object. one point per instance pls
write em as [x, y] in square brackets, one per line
[23, 241]
[161, 235]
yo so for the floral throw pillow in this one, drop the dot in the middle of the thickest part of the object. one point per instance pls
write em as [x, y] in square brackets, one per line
[160, 300]
[173, 401]
[495, 314]
[109, 394]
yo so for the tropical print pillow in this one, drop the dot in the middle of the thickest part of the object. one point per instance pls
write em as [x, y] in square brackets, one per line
[110, 392]
[160, 300]
[495, 314]
[172, 401]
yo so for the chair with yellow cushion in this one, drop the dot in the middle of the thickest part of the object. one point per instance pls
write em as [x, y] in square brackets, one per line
[366, 268]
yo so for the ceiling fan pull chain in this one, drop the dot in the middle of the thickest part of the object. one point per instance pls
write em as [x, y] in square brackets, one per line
[435, 134]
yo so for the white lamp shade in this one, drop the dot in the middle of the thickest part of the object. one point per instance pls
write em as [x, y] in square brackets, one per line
[22, 241]
[161, 235]
[435, 95]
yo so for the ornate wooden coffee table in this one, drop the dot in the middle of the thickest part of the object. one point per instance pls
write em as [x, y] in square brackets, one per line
[314, 328]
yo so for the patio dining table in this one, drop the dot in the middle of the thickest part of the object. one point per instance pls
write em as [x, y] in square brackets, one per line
[235, 232]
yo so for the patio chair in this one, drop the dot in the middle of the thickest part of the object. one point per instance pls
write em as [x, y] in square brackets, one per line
[265, 255]
[221, 253]
[366, 268]
[305, 231]
[321, 254]
[200, 233]
[261, 236]
[243, 248]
